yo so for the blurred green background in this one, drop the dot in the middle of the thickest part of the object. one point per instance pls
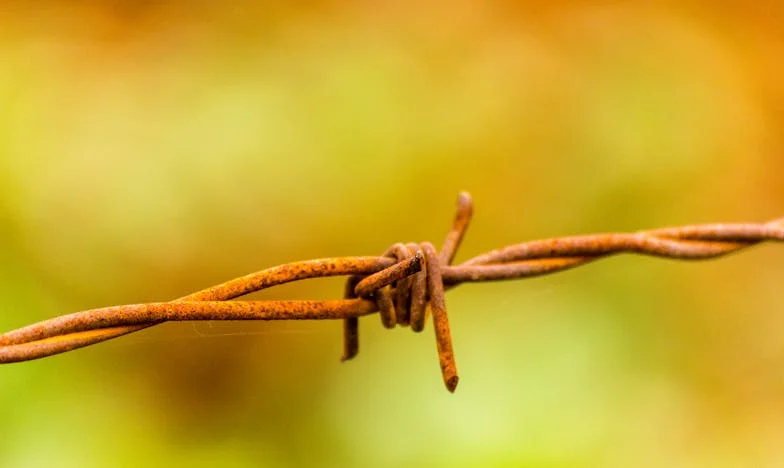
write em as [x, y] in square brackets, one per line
[150, 149]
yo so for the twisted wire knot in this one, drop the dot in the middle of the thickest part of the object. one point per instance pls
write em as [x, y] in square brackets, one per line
[403, 301]
[403, 291]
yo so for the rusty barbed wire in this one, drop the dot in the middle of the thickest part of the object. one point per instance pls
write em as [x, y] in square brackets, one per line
[399, 285]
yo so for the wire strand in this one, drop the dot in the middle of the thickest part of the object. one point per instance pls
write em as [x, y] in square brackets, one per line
[398, 284]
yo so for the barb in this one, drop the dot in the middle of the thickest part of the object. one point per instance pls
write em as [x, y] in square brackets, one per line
[402, 285]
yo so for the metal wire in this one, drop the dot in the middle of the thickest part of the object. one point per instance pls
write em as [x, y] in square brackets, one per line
[400, 285]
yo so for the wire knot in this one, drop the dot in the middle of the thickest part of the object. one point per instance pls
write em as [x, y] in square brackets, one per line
[405, 291]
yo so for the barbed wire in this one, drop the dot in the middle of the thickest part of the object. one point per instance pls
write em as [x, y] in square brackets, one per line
[399, 285]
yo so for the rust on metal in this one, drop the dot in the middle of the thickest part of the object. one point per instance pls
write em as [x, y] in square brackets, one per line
[446, 357]
[350, 324]
[403, 269]
[399, 285]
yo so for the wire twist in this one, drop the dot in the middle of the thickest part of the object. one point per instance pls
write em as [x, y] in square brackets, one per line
[402, 285]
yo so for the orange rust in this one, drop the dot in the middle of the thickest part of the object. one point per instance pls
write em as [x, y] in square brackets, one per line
[402, 269]
[386, 309]
[398, 284]
[465, 209]
[403, 287]
[350, 324]
[417, 311]
[446, 357]
[231, 289]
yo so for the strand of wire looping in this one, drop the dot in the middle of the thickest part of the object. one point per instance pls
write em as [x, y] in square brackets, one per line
[402, 291]
[403, 285]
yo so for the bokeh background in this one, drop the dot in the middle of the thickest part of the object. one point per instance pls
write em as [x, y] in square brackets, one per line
[150, 149]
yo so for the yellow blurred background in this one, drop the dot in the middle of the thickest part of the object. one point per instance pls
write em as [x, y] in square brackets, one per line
[150, 149]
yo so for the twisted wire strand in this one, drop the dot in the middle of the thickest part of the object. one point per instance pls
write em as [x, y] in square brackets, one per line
[405, 285]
